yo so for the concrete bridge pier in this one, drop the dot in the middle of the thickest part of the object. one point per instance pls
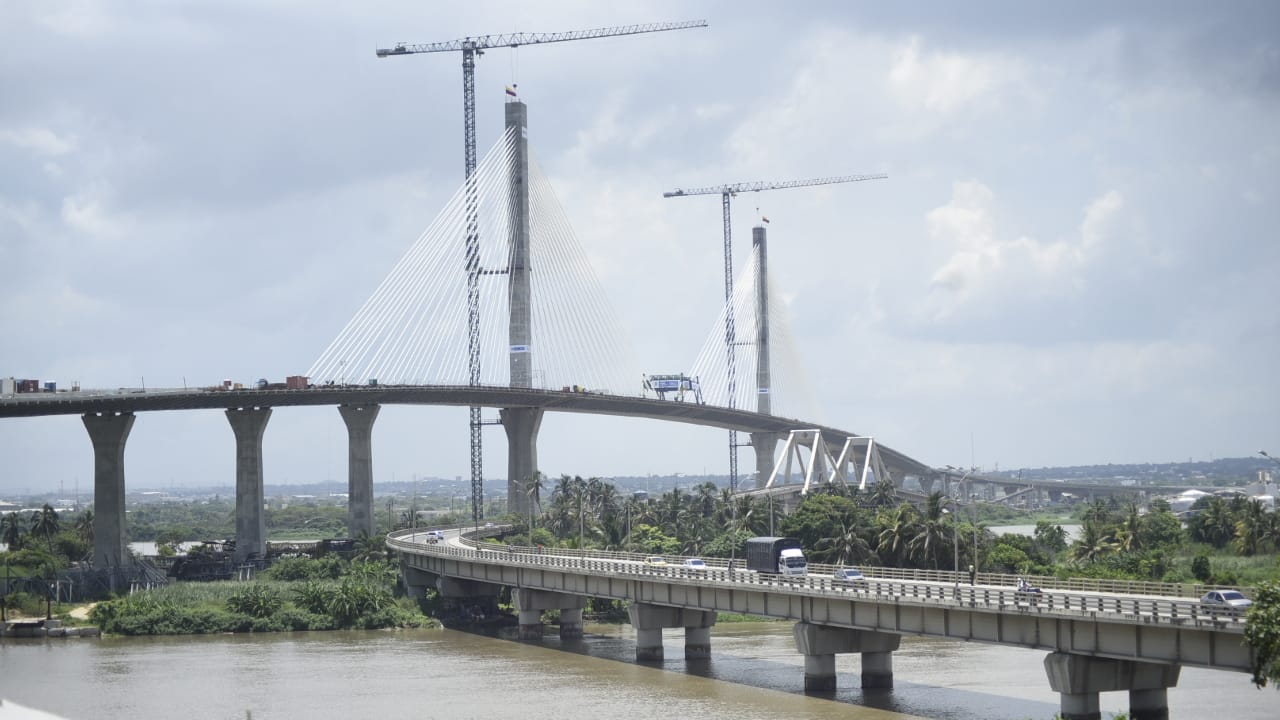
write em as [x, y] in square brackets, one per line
[522, 426]
[649, 620]
[249, 424]
[416, 582]
[530, 604]
[820, 643]
[108, 433]
[1079, 678]
[765, 445]
[359, 420]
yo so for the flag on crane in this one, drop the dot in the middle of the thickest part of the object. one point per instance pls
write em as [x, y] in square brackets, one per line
[511, 90]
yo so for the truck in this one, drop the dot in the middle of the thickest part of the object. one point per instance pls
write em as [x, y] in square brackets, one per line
[776, 555]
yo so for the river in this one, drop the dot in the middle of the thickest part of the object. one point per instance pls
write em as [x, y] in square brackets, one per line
[754, 672]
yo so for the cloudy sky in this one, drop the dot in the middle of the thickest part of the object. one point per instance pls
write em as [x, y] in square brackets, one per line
[1074, 259]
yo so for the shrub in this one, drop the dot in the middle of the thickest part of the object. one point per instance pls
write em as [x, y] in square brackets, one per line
[256, 600]
[326, 568]
[314, 597]
[1200, 568]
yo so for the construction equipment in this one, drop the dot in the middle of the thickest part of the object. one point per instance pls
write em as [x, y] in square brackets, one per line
[679, 384]
[730, 333]
[471, 47]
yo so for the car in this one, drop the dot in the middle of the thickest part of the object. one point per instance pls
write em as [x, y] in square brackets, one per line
[848, 575]
[1226, 598]
[655, 560]
[694, 564]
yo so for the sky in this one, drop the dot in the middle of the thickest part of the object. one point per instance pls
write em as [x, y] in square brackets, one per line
[1073, 260]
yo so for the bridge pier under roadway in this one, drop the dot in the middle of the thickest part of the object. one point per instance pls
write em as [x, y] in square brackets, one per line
[1079, 678]
[249, 424]
[649, 621]
[530, 604]
[522, 426]
[765, 445]
[359, 420]
[108, 433]
[820, 643]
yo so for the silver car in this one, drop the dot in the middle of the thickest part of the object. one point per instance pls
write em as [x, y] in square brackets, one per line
[1227, 598]
[848, 575]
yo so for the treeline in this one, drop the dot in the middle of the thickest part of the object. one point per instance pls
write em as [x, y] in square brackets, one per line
[840, 525]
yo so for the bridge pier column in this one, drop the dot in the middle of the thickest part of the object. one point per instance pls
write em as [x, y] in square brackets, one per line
[359, 420]
[529, 605]
[108, 433]
[522, 426]
[649, 620]
[820, 643]
[249, 424]
[1079, 678]
[416, 582]
[765, 445]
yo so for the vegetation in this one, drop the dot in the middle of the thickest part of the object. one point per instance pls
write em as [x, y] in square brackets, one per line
[313, 597]
[1262, 634]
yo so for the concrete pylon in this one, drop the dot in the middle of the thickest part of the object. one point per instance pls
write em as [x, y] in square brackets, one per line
[519, 329]
[763, 381]
[820, 643]
[359, 420]
[765, 445]
[249, 424]
[108, 433]
[522, 426]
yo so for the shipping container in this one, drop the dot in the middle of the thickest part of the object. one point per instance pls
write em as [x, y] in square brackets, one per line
[296, 382]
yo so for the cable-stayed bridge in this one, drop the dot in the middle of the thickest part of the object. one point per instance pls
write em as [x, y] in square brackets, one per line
[495, 305]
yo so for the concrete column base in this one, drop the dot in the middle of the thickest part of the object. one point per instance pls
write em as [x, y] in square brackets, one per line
[571, 623]
[697, 643]
[1084, 706]
[649, 645]
[530, 624]
[1149, 704]
[877, 670]
[819, 673]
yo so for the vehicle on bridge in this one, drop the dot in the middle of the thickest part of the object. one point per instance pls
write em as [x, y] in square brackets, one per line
[1227, 598]
[848, 576]
[777, 555]
[695, 564]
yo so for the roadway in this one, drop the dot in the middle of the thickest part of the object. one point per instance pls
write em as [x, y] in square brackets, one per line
[137, 400]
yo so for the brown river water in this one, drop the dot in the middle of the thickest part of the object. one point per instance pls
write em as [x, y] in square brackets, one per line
[754, 672]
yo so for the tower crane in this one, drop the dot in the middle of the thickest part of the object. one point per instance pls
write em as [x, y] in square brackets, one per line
[730, 333]
[471, 47]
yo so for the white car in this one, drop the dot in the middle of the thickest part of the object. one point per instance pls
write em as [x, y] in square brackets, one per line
[694, 564]
[1227, 598]
[848, 575]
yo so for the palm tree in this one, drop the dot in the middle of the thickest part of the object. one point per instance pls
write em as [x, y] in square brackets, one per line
[1253, 529]
[45, 521]
[1127, 535]
[533, 487]
[84, 526]
[846, 546]
[931, 533]
[1215, 525]
[1093, 543]
[13, 528]
[883, 493]
[899, 528]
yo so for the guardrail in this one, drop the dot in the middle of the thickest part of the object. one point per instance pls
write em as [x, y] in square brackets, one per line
[941, 589]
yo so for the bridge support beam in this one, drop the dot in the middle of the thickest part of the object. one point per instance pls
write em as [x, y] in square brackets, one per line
[108, 433]
[529, 605]
[1079, 678]
[249, 424]
[359, 420]
[765, 445]
[649, 620]
[522, 426]
[820, 643]
[416, 582]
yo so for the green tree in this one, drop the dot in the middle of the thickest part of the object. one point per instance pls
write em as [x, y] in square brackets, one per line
[12, 527]
[84, 526]
[898, 528]
[1262, 634]
[1253, 529]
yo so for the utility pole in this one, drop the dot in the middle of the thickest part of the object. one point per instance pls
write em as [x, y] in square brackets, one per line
[726, 192]
[471, 48]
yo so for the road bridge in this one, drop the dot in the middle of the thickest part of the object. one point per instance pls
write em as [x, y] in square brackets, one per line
[1096, 641]
[108, 417]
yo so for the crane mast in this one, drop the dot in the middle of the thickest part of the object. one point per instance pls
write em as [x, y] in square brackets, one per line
[470, 48]
[726, 192]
